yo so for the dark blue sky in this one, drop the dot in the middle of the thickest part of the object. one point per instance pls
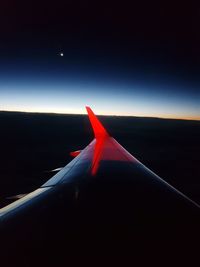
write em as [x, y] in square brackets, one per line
[118, 58]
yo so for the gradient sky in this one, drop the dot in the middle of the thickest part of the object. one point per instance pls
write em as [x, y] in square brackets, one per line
[111, 62]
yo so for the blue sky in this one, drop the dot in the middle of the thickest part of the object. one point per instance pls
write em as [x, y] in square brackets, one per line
[113, 61]
[67, 89]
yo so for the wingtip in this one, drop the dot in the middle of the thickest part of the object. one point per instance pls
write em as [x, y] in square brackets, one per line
[88, 109]
[99, 130]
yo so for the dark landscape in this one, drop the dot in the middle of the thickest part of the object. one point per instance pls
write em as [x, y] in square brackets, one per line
[33, 143]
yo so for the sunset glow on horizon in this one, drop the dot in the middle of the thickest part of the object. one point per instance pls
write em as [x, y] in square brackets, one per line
[68, 91]
[82, 111]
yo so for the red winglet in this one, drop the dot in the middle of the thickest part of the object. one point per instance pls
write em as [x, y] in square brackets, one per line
[99, 130]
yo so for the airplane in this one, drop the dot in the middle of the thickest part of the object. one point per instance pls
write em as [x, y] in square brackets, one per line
[103, 208]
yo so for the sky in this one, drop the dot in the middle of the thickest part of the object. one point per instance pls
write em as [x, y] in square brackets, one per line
[120, 58]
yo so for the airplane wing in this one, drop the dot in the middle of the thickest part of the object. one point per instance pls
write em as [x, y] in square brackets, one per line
[105, 196]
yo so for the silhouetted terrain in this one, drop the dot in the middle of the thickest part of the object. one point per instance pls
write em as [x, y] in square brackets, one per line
[31, 144]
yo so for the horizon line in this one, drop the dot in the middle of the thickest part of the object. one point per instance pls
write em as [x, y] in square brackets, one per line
[111, 115]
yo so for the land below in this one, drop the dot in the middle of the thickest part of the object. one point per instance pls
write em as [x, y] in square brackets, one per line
[32, 144]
